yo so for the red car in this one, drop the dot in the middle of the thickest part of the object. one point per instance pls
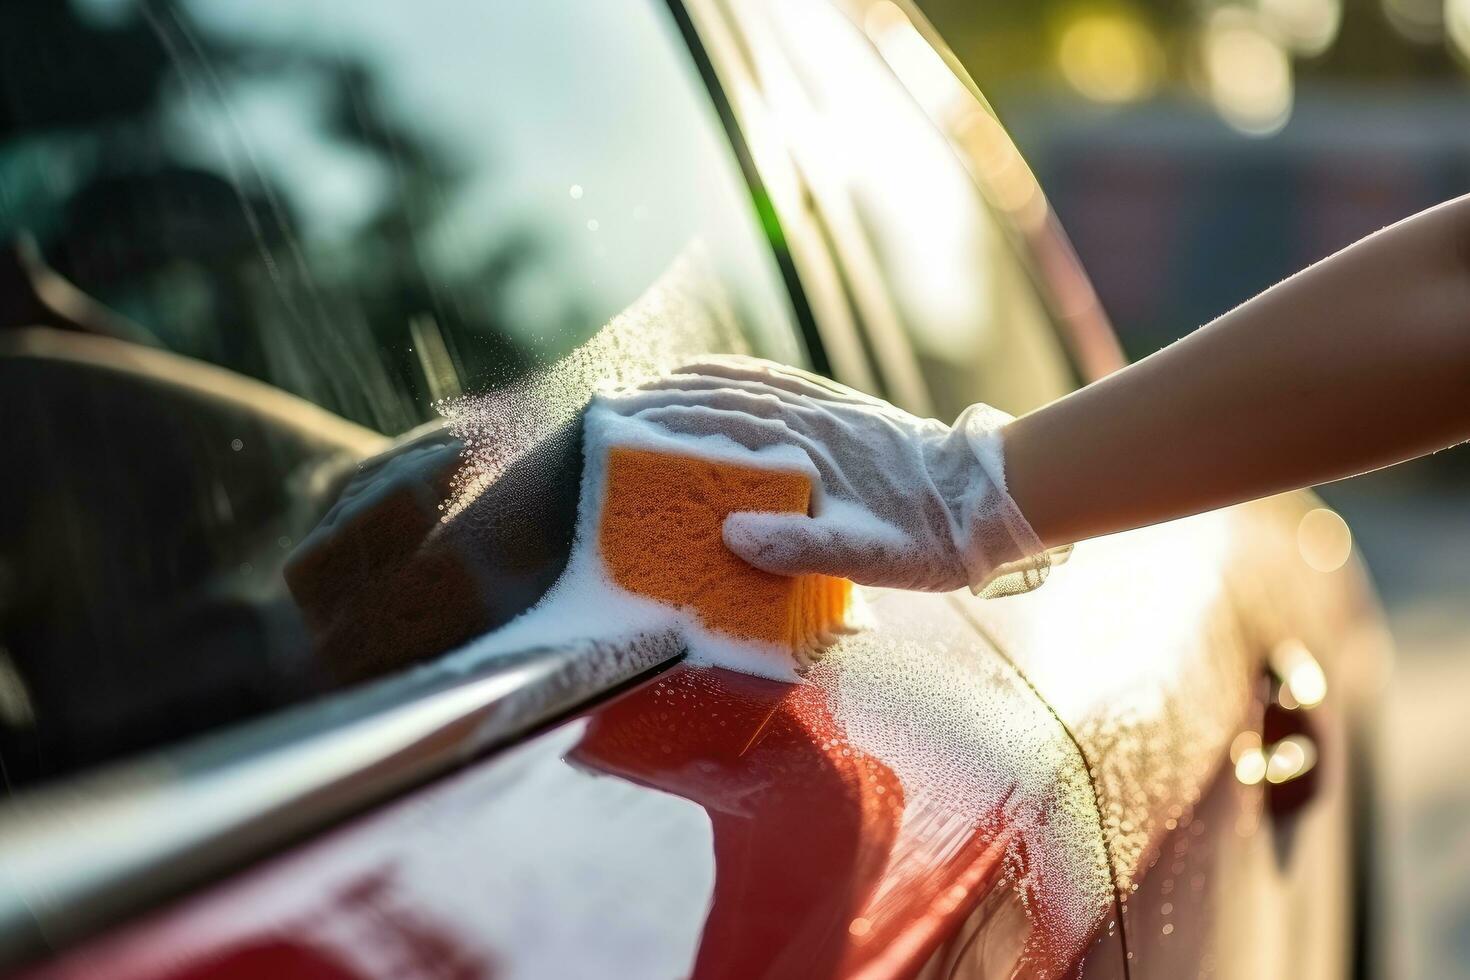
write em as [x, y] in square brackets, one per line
[302, 303]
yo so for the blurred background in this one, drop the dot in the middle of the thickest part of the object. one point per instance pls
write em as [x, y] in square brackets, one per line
[1197, 152]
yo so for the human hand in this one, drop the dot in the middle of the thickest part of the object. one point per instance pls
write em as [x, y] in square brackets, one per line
[904, 502]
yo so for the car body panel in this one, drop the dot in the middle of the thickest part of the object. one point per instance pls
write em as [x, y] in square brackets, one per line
[1154, 647]
[1134, 641]
[1268, 879]
[1157, 650]
[713, 823]
[962, 789]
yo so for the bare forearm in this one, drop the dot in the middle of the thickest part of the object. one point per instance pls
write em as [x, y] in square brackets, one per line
[1361, 361]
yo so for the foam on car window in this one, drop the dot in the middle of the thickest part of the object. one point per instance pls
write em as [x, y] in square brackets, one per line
[684, 314]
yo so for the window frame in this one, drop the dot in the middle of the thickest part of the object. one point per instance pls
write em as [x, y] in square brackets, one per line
[867, 319]
[1075, 313]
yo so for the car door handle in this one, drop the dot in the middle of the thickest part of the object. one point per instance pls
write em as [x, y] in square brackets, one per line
[1283, 754]
[1287, 767]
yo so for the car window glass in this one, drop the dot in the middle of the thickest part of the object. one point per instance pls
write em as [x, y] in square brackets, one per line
[972, 313]
[289, 292]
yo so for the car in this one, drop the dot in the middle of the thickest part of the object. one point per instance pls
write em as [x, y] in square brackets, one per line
[302, 305]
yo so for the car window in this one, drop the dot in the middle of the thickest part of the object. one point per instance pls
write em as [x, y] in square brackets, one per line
[294, 296]
[971, 311]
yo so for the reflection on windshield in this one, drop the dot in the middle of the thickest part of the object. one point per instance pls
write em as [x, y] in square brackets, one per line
[368, 209]
[301, 191]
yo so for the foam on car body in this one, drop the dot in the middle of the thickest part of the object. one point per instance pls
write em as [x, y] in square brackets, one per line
[975, 752]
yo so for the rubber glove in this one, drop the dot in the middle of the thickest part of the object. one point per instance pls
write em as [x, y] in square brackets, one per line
[904, 502]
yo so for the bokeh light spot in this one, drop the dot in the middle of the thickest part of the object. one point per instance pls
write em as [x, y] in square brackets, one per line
[1420, 21]
[1324, 540]
[1110, 57]
[1308, 26]
[1247, 73]
[1250, 768]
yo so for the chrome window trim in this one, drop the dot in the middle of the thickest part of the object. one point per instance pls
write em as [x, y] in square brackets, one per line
[1013, 195]
[83, 853]
[856, 317]
[782, 193]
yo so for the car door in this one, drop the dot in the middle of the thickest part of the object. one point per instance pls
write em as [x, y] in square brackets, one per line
[912, 807]
[915, 807]
[329, 255]
[1164, 651]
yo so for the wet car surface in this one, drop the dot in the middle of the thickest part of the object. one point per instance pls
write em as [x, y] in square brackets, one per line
[1046, 785]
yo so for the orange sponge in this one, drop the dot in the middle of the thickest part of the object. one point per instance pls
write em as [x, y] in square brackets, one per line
[662, 519]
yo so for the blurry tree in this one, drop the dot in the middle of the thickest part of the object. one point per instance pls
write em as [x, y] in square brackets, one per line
[187, 233]
[1026, 42]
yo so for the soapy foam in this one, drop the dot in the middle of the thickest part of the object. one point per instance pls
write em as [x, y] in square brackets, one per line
[606, 428]
[586, 603]
[957, 725]
[500, 427]
[966, 737]
[679, 319]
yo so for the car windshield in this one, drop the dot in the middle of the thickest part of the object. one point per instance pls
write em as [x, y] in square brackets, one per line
[289, 290]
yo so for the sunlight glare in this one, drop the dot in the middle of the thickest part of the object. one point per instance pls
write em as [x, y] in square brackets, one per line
[923, 72]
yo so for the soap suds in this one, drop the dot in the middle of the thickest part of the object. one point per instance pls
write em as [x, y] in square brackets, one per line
[586, 603]
[967, 738]
[974, 748]
[976, 752]
[680, 317]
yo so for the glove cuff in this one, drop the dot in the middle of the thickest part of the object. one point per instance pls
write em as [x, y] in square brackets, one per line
[1001, 553]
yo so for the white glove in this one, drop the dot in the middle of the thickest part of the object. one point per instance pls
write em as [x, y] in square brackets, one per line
[904, 502]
